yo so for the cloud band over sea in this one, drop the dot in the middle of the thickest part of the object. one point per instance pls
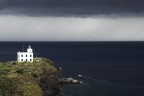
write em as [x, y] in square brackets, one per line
[93, 20]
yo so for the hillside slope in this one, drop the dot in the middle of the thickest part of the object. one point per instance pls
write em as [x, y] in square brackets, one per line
[28, 79]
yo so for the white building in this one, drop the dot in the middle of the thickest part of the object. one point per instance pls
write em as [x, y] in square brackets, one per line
[25, 56]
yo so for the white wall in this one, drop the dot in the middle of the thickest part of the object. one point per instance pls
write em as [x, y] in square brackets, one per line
[24, 56]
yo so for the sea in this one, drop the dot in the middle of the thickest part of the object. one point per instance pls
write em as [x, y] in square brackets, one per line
[105, 68]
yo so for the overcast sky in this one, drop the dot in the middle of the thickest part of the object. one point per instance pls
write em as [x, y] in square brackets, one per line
[71, 20]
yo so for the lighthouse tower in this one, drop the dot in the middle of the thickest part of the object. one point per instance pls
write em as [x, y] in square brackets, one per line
[29, 49]
[25, 56]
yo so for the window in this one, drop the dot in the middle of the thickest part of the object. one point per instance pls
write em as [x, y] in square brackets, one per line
[30, 55]
[26, 55]
[30, 59]
[21, 55]
[26, 59]
[21, 59]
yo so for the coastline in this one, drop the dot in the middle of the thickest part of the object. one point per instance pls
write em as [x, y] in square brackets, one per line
[38, 78]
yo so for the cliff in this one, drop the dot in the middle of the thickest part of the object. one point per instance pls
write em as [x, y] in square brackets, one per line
[28, 79]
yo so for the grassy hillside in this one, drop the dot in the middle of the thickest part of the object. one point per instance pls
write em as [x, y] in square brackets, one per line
[28, 79]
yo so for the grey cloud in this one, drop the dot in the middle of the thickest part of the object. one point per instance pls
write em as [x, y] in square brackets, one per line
[61, 20]
[2, 4]
[72, 7]
[24, 28]
[77, 3]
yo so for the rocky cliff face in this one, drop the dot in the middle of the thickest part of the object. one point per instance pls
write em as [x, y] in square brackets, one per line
[29, 79]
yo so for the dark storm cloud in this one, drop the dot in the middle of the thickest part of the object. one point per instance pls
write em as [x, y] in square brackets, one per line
[62, 20]
[73, 7]
[2, 4]
[78, 3]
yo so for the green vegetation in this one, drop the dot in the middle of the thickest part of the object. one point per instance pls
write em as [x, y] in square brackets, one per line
[38, 78]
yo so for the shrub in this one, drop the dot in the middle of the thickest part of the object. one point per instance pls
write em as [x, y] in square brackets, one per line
[7, 87]
[20, 70]
[34, 75]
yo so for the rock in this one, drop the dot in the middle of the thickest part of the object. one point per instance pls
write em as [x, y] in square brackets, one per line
[68, 81]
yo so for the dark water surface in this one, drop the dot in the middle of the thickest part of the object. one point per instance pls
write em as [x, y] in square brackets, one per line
[108, 68]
